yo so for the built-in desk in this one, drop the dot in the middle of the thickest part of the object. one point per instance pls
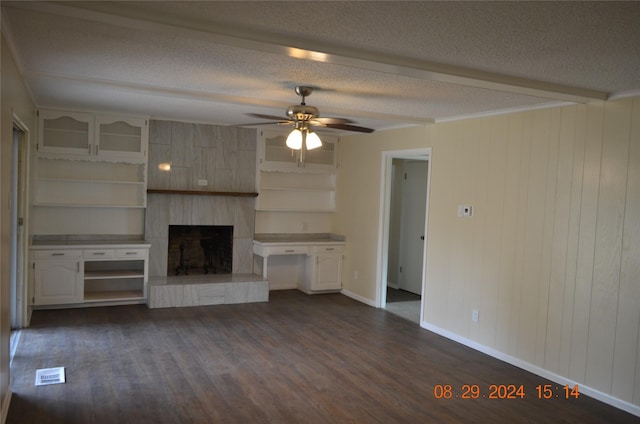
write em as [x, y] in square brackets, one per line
[322, 258]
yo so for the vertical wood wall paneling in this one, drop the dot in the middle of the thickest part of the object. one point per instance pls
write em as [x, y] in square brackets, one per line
[462, 276]
[548, 233]
[558, 250]
[478, 199]
[625, 355]
[568, 298]
[586, 243]
[521, 225]
[534, 233]
[608, 247]
[632, 237]
[442, 211]
[514, 149]
[492, 208]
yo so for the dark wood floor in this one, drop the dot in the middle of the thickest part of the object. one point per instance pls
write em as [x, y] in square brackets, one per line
[297, 359]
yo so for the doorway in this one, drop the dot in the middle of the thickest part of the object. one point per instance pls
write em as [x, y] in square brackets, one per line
[402, 248]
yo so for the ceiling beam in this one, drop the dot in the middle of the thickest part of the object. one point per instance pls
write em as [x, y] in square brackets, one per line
[161, 91]
[131, 16]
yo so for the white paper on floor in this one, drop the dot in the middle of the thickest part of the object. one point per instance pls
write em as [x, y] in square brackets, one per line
[46, 376]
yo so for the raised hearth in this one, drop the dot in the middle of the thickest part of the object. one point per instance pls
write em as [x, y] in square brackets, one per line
[201, 290]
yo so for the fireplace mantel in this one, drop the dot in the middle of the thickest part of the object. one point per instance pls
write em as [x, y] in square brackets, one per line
[202, 192]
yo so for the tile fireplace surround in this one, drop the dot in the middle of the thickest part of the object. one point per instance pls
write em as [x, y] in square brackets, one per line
[223, 156]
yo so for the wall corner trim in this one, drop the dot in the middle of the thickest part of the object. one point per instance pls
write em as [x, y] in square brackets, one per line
[357, 297]
[6, 402]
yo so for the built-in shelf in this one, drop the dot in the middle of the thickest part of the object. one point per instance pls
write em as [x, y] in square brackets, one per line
[103, 275]
[120, 295]
[83, 205]
[202, 192]
[295, 188]
[79, 181]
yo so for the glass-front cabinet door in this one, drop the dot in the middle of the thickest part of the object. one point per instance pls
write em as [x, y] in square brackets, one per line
[66, 133]
[119, 137]
[278, 156]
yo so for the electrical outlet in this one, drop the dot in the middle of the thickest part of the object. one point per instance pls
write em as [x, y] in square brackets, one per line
[475, 315]
[355, 275]
[203, 183]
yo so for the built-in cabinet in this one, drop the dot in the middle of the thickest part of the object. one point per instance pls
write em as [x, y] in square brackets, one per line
[293, 215]
[286, 185]
[323, 270]
[82, 275]
[58, 277]
[93, 136]
[89, 181]
[89, 168]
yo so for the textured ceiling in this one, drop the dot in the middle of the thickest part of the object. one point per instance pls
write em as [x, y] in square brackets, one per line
[381, 64]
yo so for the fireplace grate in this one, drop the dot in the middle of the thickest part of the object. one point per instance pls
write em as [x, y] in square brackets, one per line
[200, 249]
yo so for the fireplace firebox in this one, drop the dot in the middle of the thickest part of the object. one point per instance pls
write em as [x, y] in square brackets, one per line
[200, 249]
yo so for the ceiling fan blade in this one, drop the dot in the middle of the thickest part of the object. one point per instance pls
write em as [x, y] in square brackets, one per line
[269, 117]
[334, 120]
[253, 124]
[350, 128]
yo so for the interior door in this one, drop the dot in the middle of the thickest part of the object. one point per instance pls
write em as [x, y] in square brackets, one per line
[414, 202]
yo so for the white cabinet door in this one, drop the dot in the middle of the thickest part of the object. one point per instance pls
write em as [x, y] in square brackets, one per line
[66, 133]
[328, 272]
[121, 137]
[95, 137]
[58, 282]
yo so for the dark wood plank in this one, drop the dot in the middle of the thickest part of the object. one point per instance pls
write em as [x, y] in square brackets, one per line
[298, 358]
[203, 192]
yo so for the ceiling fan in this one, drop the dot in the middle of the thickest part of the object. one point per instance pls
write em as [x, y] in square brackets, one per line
[303, 118]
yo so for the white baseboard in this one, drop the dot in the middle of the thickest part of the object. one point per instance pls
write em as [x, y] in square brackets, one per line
[282, 286]
[527, 366]
[393, 285]
[357, 297]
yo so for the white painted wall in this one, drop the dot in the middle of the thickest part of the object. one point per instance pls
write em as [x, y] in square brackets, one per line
[15, 99]
[551, 257]
[358, 201]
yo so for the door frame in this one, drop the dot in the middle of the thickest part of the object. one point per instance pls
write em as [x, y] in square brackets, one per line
[20, 303]
[385, 215]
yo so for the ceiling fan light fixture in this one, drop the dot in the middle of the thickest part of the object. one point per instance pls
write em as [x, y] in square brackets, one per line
[313, 141]
[294, 140]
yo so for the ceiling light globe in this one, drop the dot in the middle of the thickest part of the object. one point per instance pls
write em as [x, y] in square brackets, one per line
[313, 141]
[294, 140]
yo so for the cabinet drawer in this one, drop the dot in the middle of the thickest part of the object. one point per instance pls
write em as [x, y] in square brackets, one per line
[99, 253]
[131, 253]
[57, 254]
[328, 249]
[288, 250]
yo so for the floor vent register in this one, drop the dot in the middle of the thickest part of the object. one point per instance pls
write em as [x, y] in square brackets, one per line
[48, 376]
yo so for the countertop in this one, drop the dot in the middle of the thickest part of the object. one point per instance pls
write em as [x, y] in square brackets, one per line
[51, 242]
[298, 238]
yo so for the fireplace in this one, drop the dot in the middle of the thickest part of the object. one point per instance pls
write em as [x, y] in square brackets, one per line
[200, 249]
